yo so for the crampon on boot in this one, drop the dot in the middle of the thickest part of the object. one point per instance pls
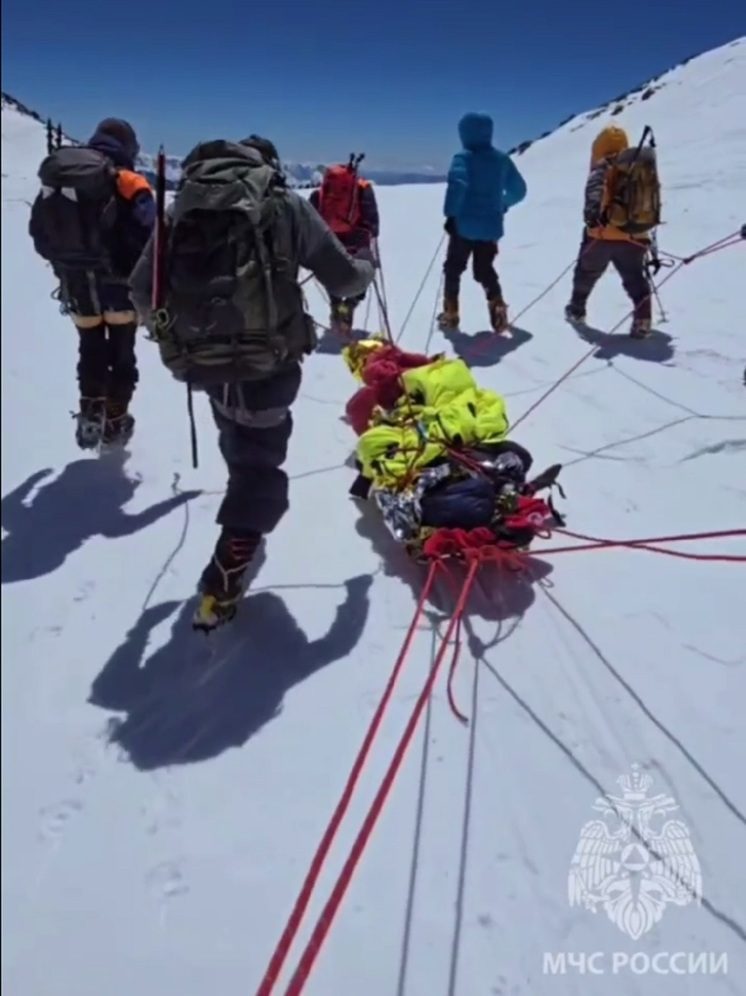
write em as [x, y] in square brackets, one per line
[449, 318]
[641, 328]
[119, 424]
[90, 421]
[498, 311]
[340, 319]
[574, 314]
[221, 584]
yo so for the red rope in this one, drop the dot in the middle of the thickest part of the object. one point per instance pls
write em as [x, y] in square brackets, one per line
[715, 247]
[454, 659]
[304, 897]
[326, 918]
[650, 545]
[728, 240]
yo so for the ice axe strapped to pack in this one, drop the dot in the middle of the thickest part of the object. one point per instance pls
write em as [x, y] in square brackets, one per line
[631, 198]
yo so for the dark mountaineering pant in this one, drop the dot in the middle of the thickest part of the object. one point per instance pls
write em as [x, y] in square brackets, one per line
[255, 424]
[628, 260]
[106, 364]
[483, 257]
[107, 325]
[351, 302]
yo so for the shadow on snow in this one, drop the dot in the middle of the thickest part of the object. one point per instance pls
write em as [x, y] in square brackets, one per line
[86, 500]
[195, 697]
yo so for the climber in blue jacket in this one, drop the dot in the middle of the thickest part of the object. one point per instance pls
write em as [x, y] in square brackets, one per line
[483, 183]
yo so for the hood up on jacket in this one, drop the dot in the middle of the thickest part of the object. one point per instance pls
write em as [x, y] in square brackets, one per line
[609, 142]
[116, 139]
[475, 131]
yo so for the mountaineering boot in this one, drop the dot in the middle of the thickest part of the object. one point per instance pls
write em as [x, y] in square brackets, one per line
[498, 310]
[641, 328]
[221, 584]
[90, 423]
[574, 314]
[341, 317]
[119, 424]
[449, 319]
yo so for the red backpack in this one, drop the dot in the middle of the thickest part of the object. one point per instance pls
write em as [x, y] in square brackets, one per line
[339, 199]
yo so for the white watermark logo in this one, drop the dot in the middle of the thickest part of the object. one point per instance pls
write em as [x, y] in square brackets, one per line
[634, 861]
[639, 963]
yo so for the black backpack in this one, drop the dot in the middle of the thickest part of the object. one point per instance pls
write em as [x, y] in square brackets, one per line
[76, 209]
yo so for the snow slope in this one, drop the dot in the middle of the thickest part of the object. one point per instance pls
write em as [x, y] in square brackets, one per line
[167, 861]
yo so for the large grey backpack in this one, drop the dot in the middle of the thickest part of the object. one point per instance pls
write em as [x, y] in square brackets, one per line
[232, 309]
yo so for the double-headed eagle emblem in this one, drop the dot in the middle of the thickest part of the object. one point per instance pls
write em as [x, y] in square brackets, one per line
[634, 861]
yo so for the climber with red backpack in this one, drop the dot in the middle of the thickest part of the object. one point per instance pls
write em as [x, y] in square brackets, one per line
[347, 203]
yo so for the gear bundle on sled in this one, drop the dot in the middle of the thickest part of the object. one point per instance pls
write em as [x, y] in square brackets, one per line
[433, 455]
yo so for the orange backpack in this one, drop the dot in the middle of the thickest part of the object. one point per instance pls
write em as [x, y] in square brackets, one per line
[631, 198]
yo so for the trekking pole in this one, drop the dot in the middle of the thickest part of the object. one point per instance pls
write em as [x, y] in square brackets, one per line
[664, 316]
[50, 142]
[58, 136]
[653, 265]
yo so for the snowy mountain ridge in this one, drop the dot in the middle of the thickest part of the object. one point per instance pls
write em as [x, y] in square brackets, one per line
[163, 796]
[298, 174]
[618, 105]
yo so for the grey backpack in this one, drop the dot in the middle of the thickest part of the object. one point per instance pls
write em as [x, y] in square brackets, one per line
[232, 309]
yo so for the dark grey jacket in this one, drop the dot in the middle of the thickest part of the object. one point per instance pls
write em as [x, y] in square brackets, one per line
[313, 246]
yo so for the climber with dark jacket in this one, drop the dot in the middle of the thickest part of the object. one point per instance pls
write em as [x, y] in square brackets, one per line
[347, 203]
[252, 392]
[93, 236]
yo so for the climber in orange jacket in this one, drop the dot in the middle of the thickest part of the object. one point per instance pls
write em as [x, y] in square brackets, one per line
[604, 241]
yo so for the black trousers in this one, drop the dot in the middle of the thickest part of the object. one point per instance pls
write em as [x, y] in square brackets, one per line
[107, 323]
[627, 259]
[107, 364]
[254, 429]
[483, 258]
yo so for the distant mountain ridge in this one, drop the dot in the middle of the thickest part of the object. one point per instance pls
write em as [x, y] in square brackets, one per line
[298, 174]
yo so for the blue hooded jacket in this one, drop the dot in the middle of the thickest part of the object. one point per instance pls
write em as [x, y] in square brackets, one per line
[483, 183]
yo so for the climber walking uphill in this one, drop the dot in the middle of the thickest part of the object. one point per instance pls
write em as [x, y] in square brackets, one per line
[223, 301]
[483, 184]
[347, 203]
[91, 221]
[622, 207]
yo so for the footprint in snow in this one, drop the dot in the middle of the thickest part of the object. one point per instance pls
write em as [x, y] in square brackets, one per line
[54, 818]
[167, 880]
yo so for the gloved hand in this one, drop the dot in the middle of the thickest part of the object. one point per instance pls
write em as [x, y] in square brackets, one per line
[450, 226]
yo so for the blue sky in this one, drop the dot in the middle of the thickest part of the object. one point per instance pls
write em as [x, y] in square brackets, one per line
[324, 77]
